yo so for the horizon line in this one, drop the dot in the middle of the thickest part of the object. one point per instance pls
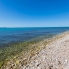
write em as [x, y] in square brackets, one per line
[33, 27]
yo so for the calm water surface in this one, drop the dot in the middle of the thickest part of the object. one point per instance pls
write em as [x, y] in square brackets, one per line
[14, 35]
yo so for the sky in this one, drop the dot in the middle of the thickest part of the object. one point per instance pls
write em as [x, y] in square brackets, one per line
[34, 13]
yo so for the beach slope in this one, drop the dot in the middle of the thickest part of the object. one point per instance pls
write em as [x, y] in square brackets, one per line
[54, 56]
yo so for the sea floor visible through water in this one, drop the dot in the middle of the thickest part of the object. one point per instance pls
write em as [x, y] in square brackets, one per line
[17, 40]
[16, 35]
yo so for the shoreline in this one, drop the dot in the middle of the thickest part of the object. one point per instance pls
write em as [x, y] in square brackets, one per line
[11, 50]
[35, 49]
[54, 56]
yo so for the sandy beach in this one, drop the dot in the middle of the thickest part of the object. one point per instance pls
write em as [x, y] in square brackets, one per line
[54, 55]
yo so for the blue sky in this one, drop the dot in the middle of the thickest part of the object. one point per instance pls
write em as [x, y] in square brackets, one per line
[34, 13]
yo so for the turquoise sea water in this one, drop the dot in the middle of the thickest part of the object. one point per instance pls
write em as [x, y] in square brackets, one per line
[14, 35]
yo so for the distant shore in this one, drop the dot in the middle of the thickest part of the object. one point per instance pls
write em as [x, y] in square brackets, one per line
[28, 51]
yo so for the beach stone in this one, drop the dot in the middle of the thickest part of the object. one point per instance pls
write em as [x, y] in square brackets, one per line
[54, 56]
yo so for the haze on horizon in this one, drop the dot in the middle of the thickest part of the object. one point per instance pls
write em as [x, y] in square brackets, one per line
[34, 13]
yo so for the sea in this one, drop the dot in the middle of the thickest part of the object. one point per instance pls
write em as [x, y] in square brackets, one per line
[15, 35]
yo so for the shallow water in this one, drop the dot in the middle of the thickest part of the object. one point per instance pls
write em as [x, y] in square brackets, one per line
[14, 35]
